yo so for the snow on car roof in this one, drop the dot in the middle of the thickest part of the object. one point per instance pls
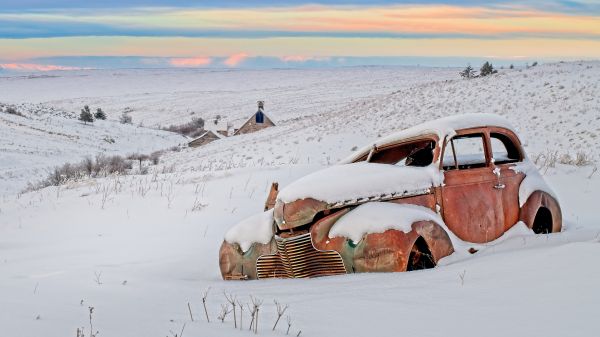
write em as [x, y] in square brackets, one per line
[441, 127]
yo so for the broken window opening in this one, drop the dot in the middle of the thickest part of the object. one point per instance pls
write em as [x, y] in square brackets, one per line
[504, 151]
[465, 152]
[416, 154]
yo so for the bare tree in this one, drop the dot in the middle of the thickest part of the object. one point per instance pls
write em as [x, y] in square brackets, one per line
[280, 311]
[232, 300]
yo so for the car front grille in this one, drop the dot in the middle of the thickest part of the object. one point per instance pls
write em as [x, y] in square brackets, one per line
[296, 257]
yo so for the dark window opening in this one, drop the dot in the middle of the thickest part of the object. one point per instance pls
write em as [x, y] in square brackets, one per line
[504, 151]
[464, 152]
[417, 154]
[260, 117]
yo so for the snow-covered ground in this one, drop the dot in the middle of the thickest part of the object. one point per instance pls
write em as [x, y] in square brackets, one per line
[139, 248]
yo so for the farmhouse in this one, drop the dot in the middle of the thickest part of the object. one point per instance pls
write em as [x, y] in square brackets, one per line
[205, 138]
[256, 122]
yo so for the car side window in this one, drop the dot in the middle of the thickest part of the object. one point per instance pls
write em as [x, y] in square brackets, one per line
[504, 151]
[418, 153]
[464, 152]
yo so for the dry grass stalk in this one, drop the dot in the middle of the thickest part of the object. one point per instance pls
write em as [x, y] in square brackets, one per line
[280, 311]
[204, 296]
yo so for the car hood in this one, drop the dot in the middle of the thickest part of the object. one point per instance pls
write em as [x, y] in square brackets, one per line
[348, 184]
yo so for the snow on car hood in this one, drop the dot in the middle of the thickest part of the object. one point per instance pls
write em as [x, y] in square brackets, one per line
[257, 228]
[361, 180]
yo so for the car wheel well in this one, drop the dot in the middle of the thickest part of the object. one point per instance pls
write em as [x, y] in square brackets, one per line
[542, 224]
[420, 256]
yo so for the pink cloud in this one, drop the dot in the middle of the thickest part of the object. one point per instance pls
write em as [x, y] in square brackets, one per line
[190, 62]
[235, 59]
[34, 67]
[302, 58]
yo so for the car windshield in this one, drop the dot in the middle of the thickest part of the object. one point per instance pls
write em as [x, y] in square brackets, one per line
[418, 153]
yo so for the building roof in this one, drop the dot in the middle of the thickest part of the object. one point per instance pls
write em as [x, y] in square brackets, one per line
[251, 117]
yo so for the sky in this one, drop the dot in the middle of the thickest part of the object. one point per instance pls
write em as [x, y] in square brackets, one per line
[40, 35]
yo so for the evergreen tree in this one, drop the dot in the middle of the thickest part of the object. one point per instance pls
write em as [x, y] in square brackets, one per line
[100, 114]
[487, 69]
[468, 72]
[511, 67]
[86, 116]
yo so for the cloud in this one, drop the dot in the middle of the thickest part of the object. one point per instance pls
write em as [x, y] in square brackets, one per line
[392, 20]
[302, 58]
[34, 67]
[191, 62]
[235, 59]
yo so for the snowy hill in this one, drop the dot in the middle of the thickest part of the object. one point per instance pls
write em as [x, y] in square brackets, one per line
[138, 248]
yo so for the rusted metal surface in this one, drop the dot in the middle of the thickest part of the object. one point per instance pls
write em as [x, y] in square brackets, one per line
[297, 213]
[477, 204]
[236, 264]
[471, 206]
[296, 257]
[540, 200]
[270, 203]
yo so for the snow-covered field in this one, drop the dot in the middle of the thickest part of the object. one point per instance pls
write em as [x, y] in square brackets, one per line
[139, 248]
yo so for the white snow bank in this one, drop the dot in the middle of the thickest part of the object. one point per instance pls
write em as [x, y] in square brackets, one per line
[441, 127]
[377, 217]
[461, 248]
[257, 228]
[533, 181]
[358, 180]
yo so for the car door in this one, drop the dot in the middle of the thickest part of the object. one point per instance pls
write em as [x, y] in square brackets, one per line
[471, 200]
[506, 153]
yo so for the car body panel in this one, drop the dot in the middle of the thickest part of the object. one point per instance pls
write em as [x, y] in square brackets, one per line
[477, 204]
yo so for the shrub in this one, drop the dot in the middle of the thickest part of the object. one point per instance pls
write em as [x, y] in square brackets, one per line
[487, 69]
[100, 114]
[12, 111]
[468, 72]
[194, 128]
[155, 157]
[125, 118]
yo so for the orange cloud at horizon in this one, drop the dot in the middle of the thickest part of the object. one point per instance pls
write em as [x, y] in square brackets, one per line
[35, 67]
[190, 62]
[235, 59]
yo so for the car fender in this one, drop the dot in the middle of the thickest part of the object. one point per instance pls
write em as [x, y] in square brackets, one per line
[537, 200]
[387, 251]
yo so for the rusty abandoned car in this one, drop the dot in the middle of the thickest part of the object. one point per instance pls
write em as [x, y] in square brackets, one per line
[400, 204]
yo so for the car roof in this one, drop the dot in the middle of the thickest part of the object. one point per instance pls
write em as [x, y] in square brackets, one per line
[442, 128]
